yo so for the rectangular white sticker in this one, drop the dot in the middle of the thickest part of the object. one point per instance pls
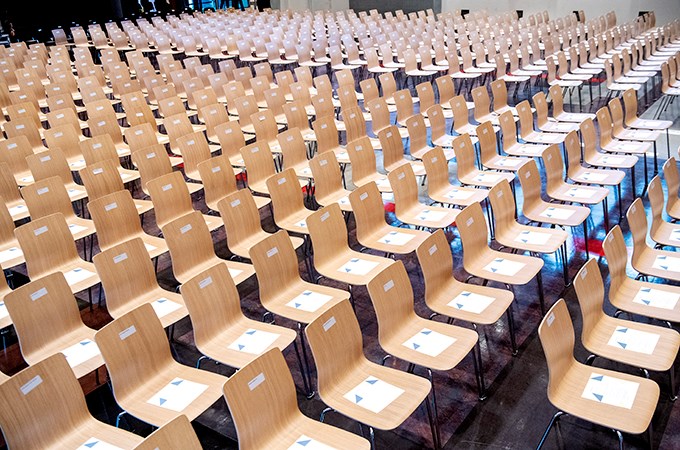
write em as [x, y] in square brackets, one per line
[255, 382]
[38, 294]
[120, 258]
[126, 333]
[31, 384]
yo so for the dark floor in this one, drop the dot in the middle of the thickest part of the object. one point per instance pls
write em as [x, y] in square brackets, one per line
[516, 411]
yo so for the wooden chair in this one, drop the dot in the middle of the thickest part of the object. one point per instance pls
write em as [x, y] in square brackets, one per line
[461, 123]
[526, 128]
[259, 163]
[49, 196]
[646, 260]
[49, 392]
[221, 332]
[544, 123]
[47, 321]
[344, 374]
[289, 211]
[438, 135]
[9, 192]
[124, 293]
[153, 162]
[144, 135]
[665, 234]
[559, 190]
[393, 152]
[633, 121]
[328, 181]
[633, 295]
[13, 152]
[489, 156]
[672, 177]
[364, 170]
[231, 140]
[589, 175]
[327, 138]
[333, 258]
[445, 295]
[510, 144]
[468, 174]
[408, 208]
[11, 254]
[372, 229]
[171, 200]
[65, 138]
[558, 112]
[52, 232]
[578, 390]
[616, 146]
[280, 424]
[647, 347]
[482, 262]
[116, 219]
[294, 153]
[146, 381]
[103, 178]
[52, 163]
[178, 432]
[439, 187]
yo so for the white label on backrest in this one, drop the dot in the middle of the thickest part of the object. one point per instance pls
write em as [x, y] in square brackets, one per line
[166, 187]
[499, 194]
[21, 111]
[329, 323]
[45, 158]
[12, 145]
[280, 181]
[101, 123]
[126, 333]
[323, 162]
[401, 176]
[96, 146]
[470, 221]
[551, 319]
[59, 134]
[39, 231]
[527, 175]
[176, 122]
[254, 150]
[98, 171]
[325, 216]
[139, 132]
[432, 249]
[32, 384]
[584, 274]
[185, 228]
[255, 382]
[272, 251]
[216, 169]
[359, 148]
[39, 293]
[324, 126]
[205, 282]
[191, 142]
[389, 285]
[228, 131]
[42, 191]
[119, 258]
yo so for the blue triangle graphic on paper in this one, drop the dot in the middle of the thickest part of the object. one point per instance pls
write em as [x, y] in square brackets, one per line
[85, 342]
[598, 378]
[355, 260]
[426, 332]
[177, 383]
[664, 267]
[661, 257]
[307, 293]
[240, 347]
[466, 294]
[498, 260]
[646, 302]
[646, 289]
[357, 399]
[161, 300]
[251, 332]
[598, 397]
[622, 344]
[415, 346]
[347, 269]
[493, 269]
[371, 381]
[393, 233]
[91, 444]
[161, 401]
[387, 241]
[622, 330]
[459, 306]
[297, 305]
[304, 443]
[525, 240]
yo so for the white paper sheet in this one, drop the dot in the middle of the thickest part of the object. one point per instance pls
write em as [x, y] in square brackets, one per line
[162, 307]
[74, 192]
[77, 275]
[431, 216]
[10, 253]
[254, 341]
[675, 235]
[14, 210]
[593, 176]
[509, 162]
[429, 342]
[533, 237]
[234, 272]
[656, 298]
[74, 229]
[670, 263]
[358, 266]
[344, 201]
[577, 193]
[306, 443]
[396, 238]
[634, 340]
[309, 301]
[487, 177]
[374, 394]
[3, 310]
[457, 194]
[610, 390]
[471, 302]
[557, 213]
[177, 395]
[97, 444]
[613, 159]
[80, 352]
[504, 266]
[301, 224]
[149, 247]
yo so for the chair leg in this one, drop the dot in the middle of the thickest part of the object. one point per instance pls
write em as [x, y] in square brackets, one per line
[511, 326]
[310, 390]
[541, 299]
[200, 360]
[620, 436]
[306, 378]
[431, 419]
[118, 417]
[554, 419]
[671, 376]
[435, 408]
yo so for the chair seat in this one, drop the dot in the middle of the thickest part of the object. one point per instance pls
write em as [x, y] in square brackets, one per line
[587, 195]
[612, 161]
[485, 178]
[352, 267]
[427, 216]
[340, 197]
[399, 241]
[458, 195]
[504, 267]
[380, 180]
[602, 177]
[243, 247]
[284, 303]
[664, 233]
[638, 135]
[531, 150]
[630, 297]
[553, 126]
[574, 117]
[530, 238]
[646, 124]
[504, 163]
[538, 137]
[564, 215]
[72, 339]
[629, 147]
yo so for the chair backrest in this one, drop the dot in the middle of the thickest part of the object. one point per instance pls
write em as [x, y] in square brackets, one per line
[276, 265]
[556, 333]
[557, 100]
[151, 162]
[258, 161]
[392, 145]
[405, 187]
[637, 221]
[328, 231]
[392, 297]
[46, 197]
[170, 196]
[241, 217]
[499, 90]
[526, 118]
[189, 242]
[13, 152]
[465, 155]
[472, 227]
[336, 343]
[326, 173]
[326, 133]
[50, 163]
[194, 150]
[65, 138]
[213, 303]
[140, 136]
[178, 433]
[293, 147]
[437, 170]
[589, 289]
[480, 97]
[554, 167]
[40, 404]
[672, 177]
[114, 266]
[436, 262]
[630, 105]
[264, 124]
[115, 217]
[284, 190]
[616, 253]
[460, 112]
[503, 205]
[46, 232]
[218, 179]
[445, 86]
[380, 114]
[134, 348]
[369, 210]
[99, 148]
[262, 400]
